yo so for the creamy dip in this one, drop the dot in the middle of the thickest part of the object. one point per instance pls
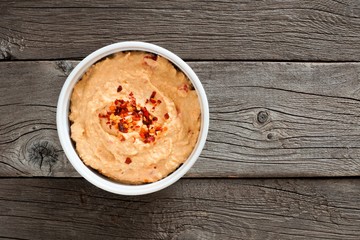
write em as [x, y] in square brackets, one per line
[134, 117]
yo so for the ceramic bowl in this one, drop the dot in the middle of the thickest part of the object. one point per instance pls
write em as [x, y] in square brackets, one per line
[63, 124]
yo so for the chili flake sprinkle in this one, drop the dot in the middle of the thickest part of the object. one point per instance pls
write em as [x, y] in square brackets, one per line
[119, 88]
[127, 116]
[121, 137]
[184, 87]
[153, 101]
[166, 116]
[153, 57]
[128, 160]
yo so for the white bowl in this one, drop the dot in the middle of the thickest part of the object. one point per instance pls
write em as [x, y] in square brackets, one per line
[63, 125]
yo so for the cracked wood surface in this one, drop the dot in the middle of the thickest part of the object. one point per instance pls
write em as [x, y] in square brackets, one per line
[268, 119]
[322, 30]
[190, 209]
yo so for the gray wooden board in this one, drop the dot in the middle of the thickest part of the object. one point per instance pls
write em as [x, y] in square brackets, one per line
[310, 126]
[190, 209]
[321, 30]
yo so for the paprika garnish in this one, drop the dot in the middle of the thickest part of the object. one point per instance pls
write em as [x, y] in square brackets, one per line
[119, 88]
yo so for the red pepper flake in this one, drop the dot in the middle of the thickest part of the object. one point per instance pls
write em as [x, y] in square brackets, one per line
[151, 139]
[147, 100]
[112, 108]
[159, 101]
[184, 87]
[119, 88]
[122, 128]
[128, 160]
[153, 94]
[153, 57]
[131, 116]
[117, 111]
[136, 118]
[122, 138]
[166, 116]
[145, 111]
[144, 134]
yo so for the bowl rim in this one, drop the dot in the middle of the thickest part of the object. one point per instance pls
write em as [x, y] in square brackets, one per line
[63, 127]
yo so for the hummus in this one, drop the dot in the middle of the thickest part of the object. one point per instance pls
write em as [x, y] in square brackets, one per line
[134, 117]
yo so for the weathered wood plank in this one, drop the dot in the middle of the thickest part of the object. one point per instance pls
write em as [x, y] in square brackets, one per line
[225, 29]
[191, 209]
[310, 124]
[29, 143]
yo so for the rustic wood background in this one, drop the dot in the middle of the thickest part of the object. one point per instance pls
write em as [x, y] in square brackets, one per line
[283, 82]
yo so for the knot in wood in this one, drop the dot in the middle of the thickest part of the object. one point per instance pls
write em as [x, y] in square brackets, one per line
[65, 66]
[42, 153]
[262, 117]
[6, 55]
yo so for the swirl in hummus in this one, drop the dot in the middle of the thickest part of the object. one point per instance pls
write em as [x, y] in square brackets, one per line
[135, 118]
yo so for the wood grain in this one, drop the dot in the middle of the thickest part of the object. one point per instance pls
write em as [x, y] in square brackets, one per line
[267, 119]
[190, 209]
[321, 30]
[29, 144]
